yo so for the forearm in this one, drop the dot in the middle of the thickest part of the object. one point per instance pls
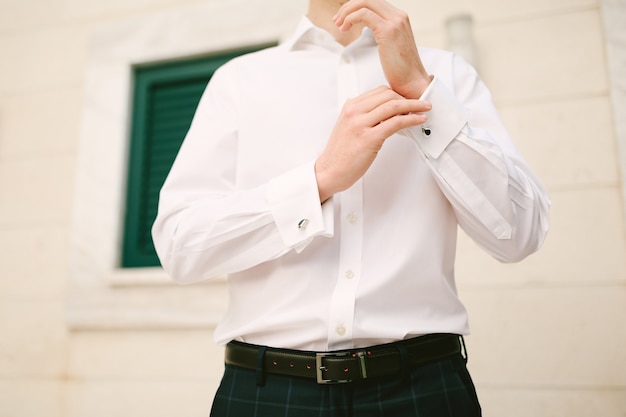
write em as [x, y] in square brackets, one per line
[497, 199]
[216, 233]
[190, 237]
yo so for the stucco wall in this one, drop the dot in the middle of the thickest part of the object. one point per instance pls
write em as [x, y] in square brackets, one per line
[79, 337]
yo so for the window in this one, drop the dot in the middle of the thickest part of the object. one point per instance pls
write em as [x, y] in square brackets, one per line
[165, 98]
[102, 294]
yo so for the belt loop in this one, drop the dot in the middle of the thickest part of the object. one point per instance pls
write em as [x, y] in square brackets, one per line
[260, 372]
[463, 349]
[405, 363]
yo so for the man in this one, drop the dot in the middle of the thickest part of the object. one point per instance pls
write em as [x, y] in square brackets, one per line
[326, 177]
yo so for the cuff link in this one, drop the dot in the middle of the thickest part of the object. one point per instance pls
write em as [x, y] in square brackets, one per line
[302, 224]
[426, 131]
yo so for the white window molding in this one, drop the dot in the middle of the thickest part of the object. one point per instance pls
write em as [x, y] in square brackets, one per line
[103, 295]
[614, 16]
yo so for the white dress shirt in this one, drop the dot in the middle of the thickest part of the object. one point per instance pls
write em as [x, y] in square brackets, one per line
[372, 264]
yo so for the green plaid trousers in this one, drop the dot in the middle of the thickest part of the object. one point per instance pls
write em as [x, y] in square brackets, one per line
[438, 389]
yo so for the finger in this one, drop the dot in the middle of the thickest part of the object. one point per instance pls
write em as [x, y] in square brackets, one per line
[381, 8]
[382, 103]
[378, 104]
[370, 100]
[382, 89]
[362, 16]
[393, 125]
[403, 107]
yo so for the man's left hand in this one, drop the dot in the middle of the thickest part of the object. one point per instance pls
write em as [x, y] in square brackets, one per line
[396, 45]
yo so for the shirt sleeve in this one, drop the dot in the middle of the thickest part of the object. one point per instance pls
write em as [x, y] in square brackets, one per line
[206, 226]
[497, 199]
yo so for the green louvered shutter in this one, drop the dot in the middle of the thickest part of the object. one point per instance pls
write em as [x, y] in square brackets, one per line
[164, 101]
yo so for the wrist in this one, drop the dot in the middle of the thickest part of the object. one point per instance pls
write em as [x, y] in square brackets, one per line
[322, 184]
[419, 86]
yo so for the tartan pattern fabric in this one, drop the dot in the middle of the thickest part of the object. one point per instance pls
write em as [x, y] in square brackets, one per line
[439, 389]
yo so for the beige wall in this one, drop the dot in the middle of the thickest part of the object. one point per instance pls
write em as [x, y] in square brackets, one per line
[81, 338]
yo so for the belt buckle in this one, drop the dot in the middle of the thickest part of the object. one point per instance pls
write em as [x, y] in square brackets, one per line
[320, 368]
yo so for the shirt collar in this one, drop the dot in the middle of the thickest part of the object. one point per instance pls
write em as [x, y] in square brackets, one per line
[307, 34]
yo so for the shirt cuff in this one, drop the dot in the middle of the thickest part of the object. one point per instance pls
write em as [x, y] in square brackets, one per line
[445, 120]
[295, 205]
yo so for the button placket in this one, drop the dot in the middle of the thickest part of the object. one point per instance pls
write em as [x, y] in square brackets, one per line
[346, 79]
[344, 296]
[343, 299]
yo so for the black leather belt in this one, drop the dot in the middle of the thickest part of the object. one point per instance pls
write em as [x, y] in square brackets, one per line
[380, 361]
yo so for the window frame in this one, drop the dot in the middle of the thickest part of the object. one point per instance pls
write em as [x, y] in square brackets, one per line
[137, 250]
[101, 294]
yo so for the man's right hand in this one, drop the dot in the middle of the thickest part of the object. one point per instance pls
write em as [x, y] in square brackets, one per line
[363, 126]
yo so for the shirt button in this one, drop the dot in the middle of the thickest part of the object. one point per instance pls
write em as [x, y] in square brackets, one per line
[302, 224]
[426, 131]
[349, 274]
[352, 218]
[346, 59]
[340, 330]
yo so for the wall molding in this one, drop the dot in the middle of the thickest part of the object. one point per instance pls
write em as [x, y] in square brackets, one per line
[614, 16]
[102, 295]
